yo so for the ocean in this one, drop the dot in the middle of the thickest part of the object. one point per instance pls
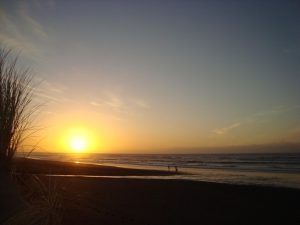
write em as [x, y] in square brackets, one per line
[258, 169]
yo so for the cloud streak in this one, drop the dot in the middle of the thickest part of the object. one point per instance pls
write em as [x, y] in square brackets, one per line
[18, 29]
[141, 103]
[224, 130]
[110, 101]
[32, 24]
[12, 36]
[119, 104]
[259, 116]
[50, 91]
[274, 111]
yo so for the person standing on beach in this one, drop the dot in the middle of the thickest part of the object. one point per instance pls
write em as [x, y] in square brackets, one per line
[176, 169]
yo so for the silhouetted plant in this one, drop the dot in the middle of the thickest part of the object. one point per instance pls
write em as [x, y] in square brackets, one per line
[16, 107]
[44, 202]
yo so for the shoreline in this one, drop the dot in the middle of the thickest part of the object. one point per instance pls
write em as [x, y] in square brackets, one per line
[61, 168]
[125, 201]
[41, 156]
[40, 166]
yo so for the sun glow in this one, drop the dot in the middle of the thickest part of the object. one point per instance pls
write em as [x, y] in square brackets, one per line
[78, 143]
[80, 140]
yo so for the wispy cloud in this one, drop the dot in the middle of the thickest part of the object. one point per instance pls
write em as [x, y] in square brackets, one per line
[46, 96]
[224, 130]
[111, 101]
[114, 102]
[141, 103]
[255, 118]
[119, 104]
[50, 91]
[20, 30]
[12, 36]
[96, 104]
[33, 24]
[54, 87]
[265, 113]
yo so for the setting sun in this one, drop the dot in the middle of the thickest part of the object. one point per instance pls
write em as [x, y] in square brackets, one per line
[79, 140]
[78, 144]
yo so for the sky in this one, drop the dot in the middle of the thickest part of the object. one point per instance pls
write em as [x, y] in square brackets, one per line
[161, 76]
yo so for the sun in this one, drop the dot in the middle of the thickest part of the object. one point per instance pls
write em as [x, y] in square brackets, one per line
[79, 143]
[79, 140]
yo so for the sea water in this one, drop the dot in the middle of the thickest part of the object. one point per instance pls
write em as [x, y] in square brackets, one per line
[257, 169]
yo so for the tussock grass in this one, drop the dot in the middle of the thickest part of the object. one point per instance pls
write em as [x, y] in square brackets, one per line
[16, 108]
[16, 119]
[44, 204]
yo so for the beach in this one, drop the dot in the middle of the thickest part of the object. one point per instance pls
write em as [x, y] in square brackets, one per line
[149, 112]
[121, 200]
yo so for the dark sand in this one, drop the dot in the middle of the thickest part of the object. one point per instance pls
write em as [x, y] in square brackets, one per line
[11, 201]
[69, 168]
[116, 201]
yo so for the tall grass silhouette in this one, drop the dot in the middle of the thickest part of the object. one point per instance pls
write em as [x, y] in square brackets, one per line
[16, 108]
[43, 204]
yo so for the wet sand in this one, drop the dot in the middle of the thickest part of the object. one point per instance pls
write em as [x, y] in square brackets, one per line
[68, 168]
[116, 201]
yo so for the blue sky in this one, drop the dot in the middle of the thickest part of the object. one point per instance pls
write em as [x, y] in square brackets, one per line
[163, 74]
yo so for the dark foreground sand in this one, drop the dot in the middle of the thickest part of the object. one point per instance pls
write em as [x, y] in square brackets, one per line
[116, 201]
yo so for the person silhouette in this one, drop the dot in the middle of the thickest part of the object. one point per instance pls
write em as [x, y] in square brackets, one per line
[176, 169]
